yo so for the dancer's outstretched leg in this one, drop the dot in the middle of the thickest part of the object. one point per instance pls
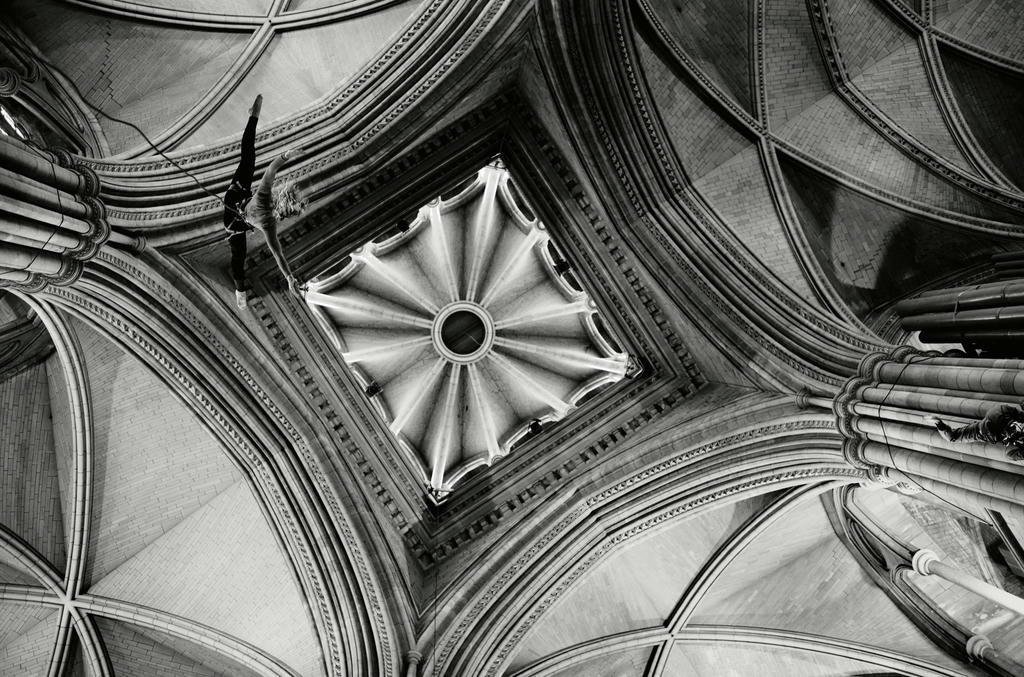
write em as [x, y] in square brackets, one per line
[236, 199]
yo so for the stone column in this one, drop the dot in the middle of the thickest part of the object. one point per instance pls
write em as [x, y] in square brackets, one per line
[1009, 265]
[986, 316]
[413, 659]
[51, 220]
[883, 414]
[927, 563]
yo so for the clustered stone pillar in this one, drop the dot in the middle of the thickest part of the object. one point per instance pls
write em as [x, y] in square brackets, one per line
[51, 220]
[989, 317]
[1009, 265]
[883, 414]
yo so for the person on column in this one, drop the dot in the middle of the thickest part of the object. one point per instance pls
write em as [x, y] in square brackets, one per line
[1003, 425]
[242, 214]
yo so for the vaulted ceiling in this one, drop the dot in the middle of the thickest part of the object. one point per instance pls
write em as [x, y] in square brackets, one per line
[742, 187]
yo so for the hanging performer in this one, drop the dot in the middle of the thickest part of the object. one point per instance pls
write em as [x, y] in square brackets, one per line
[1002, 425]
[242, 214]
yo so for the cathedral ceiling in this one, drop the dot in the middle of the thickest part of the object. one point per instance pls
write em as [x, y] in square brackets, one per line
[745, 186]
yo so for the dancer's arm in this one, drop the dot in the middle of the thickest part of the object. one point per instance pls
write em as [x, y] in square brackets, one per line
[274, 244]
[267, 182]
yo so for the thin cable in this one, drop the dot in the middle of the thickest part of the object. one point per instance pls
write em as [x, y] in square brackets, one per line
[434, 638]
[152, 145]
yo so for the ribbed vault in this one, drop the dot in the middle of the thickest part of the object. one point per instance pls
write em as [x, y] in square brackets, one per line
[743, 187]
[129, 541]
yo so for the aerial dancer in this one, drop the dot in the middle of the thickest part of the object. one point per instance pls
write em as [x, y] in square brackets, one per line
[1003, 425]
[242, 213]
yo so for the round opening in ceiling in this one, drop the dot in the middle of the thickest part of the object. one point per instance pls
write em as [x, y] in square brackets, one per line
[463, 332]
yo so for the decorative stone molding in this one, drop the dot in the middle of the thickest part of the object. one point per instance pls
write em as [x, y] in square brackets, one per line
[509, 643]
[668, 365]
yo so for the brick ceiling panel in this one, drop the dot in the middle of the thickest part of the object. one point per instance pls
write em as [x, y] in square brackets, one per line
[76, 663]
[728, 658]
[137, 653]
[717, 35]
[898, 84]
[833, 133]
[991, 100]
[867, 34]
[222, 566]
[27, 636]
[61, 417]
[702, 138]
[739, 192]
[30, 497]
[630, 663]
[132, 70]
[154, 463]
[873, 252]
[302, 65]
[215, 7]
[795, 77]
[994, 25]
[10, 571]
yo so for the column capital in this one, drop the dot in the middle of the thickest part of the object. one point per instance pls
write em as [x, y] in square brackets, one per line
[923, 560]
[853, 452]
[977, 646]
[10, 81]
[413, 659]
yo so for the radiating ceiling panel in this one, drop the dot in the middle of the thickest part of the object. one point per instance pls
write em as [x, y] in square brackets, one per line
[462, 330]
